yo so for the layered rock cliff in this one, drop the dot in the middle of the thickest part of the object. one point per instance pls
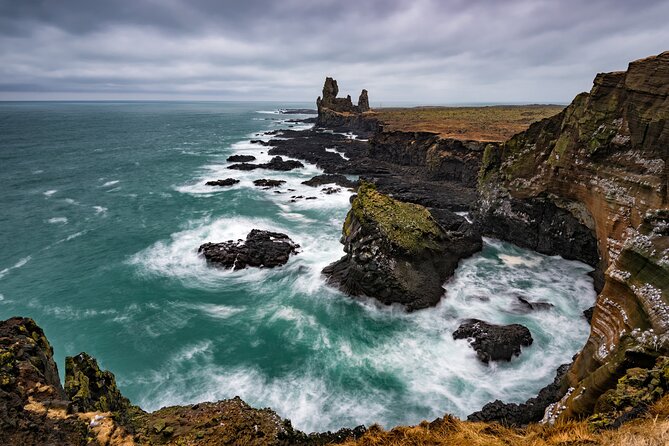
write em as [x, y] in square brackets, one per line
[591, 184]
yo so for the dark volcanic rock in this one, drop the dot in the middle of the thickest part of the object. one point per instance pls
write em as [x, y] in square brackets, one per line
[241, 158]
[245, 166]
[330, 190]
[531, 411]
[494, 342]
[526, 305]
[222, 183]
[260, 249]
[339, 180]
[263, 182]
[398, 252]
[91, 389]
[587, 314]
[276, 163]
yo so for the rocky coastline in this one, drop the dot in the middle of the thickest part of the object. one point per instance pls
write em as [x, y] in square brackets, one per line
[589, 184]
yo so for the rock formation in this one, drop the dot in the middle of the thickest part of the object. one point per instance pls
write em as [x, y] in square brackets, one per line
[494, 342]
[260, 249]
[91, 389]
[591, 184]
[241, 158]
[398, 252]
[222, 183]
[35, 410]
[334, 112]
[276, 163]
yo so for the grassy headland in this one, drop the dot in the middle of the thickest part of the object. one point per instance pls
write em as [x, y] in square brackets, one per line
[493, 123]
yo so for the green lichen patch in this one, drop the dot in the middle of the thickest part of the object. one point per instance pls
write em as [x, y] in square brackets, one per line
[406, 225]
[635, 392]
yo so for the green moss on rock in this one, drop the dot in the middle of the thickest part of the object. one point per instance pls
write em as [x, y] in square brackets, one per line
[408, 226]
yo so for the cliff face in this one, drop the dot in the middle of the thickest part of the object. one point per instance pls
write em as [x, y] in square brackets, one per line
[600, 168]
[442, 159]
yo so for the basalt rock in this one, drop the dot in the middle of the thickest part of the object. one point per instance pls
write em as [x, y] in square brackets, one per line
[32, 401]
[91, 389]
[398, 252]
[222, 183]
[260, 249]
[596, 175]
[241, 158]
[339, 180]
[34, 406]
[263, 182]
[340, 113]
[527, 305]
[531, 411]
[276, 163]
[494, 342]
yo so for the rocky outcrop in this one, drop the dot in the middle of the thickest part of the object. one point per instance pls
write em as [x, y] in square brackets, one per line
[531, 411]
[222, 183]
[267, 183]
[340, 113]
[276, 163]
[260, 249]
[597, 171]
[241, 158]
[494, 342]
[339, 180]
[633, 395]
[397, 252]
[35, 410]
[90, 389]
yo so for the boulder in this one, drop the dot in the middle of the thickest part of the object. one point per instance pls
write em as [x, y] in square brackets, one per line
[525, 305]
[494, 342]
[260, 249]
[263, 182]
[222, 183]
[241, 158]
[397, 252]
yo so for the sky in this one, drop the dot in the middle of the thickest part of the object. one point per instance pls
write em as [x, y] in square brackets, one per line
[413, 51]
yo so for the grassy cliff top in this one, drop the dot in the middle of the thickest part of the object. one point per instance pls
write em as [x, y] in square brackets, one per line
[407, 225]
[493, 123]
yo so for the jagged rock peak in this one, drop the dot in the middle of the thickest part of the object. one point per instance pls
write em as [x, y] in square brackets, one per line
[330, 100]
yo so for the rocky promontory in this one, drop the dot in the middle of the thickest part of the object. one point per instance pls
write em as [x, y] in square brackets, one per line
[398, 252]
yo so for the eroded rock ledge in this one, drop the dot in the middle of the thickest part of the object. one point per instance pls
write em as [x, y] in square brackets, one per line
[398, 252]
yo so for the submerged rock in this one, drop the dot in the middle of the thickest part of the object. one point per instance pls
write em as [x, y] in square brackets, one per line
[260, 249]
[397, 252]
[241, 158]
[494, 342]
[526, 305]
[263, 182]
[222, 183]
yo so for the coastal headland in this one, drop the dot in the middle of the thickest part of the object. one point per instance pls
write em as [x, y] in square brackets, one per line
[588, 182]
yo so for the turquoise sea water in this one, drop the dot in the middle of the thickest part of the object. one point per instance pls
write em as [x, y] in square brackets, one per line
[103, 206]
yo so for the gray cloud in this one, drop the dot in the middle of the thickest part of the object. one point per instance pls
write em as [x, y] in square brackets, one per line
[422, 51]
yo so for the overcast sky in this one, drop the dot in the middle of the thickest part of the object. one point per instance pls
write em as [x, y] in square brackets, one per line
[420, 51]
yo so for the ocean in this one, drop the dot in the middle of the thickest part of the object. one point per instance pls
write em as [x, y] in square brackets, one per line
[103, 209]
